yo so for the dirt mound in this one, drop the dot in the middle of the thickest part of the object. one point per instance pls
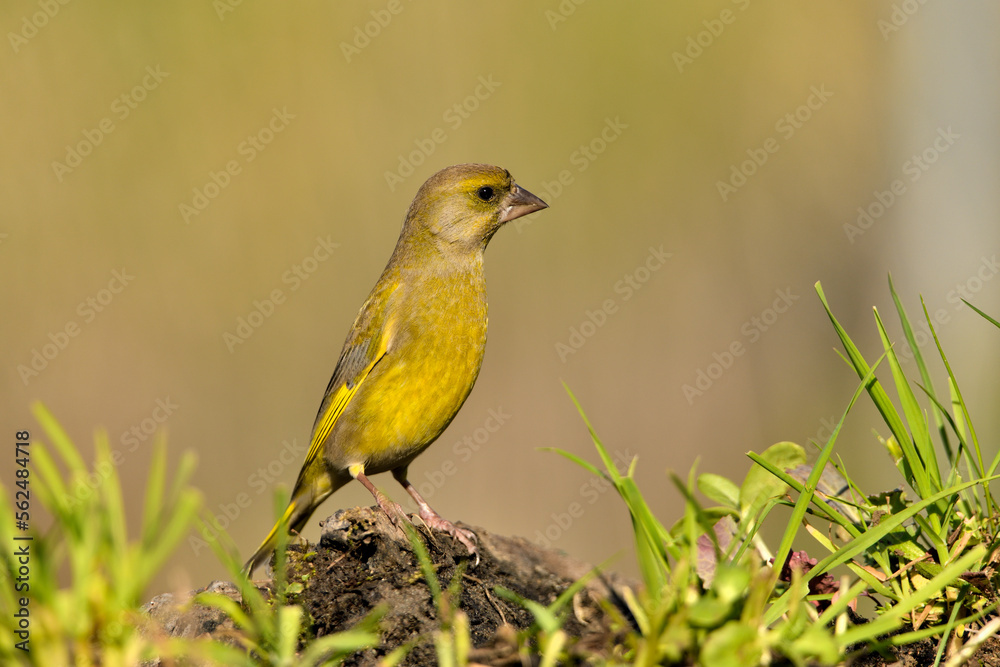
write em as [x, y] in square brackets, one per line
[363, 561]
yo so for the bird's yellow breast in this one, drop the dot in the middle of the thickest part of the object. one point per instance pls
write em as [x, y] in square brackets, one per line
[437, 338]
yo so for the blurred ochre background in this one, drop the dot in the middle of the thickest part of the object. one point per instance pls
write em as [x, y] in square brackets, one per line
[277, 125]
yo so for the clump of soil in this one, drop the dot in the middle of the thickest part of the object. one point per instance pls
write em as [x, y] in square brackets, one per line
[364, 561]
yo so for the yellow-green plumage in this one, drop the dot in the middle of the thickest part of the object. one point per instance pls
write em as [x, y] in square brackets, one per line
[416, 347]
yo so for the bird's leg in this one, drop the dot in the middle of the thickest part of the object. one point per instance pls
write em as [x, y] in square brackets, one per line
[434, 520]
[391, 509]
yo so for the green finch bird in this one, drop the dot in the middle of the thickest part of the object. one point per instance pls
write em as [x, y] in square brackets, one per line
[414, 351]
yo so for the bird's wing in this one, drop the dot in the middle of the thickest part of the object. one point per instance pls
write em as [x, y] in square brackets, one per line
[366, 345]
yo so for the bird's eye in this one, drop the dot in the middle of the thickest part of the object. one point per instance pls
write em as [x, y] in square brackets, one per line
[485, 193]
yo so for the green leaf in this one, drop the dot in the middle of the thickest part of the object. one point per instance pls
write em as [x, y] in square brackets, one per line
[816, 642]
[719, 489]
[709, 612]
[759, 486]
[733, 645]
[731, 582]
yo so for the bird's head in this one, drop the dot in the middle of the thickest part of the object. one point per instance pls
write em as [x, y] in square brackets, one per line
[460, 208]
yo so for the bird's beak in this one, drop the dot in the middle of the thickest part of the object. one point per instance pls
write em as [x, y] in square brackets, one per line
[521, 202]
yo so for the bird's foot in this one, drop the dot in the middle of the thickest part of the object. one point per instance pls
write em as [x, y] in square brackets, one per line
[392, 509]
[434, 521]
[468, 538]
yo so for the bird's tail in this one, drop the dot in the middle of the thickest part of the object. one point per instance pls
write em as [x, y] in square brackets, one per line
[299, 509]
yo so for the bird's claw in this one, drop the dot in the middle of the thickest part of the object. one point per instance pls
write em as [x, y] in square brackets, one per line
[393, 510]
[463, 535]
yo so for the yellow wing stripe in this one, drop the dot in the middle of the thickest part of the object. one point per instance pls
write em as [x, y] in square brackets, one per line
[269, 542]
[340, 399]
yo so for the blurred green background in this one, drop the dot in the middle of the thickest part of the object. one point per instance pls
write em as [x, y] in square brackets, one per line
[211, 153]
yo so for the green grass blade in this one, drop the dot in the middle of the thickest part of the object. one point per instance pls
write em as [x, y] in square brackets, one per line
[52, 491]
[918, 357]
[289, 625]
[173, 527]
[426, 565]
[583, 463]
[917, 478]
[228, 606]
[867, 577]
[653, 541]
[926, 459]
[958, 395]
[839, 606]
[567, 595]
[821, 508]
[973, 438]
[867, 540]
[59, 439]
[340, 645]
[609, 464]
[904, 638]
[962, 446]
[806, 494]
[154, 501]
[113, 506]
[984, 315]
[889, 523]
[890, 619]
[545, 618]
